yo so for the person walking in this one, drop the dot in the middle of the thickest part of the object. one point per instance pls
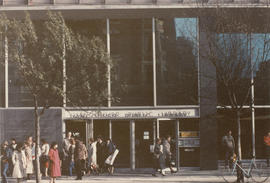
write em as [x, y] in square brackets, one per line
[29, 160]
[92, 156]
[45, 148]
[34, 156]
[71, 153]
[55, 170]
[12, 147]
[80, 156]
[101, 150]
[19, 163]
[158, 158]
[65, 160]
[267, 146]
[111, 153]
[229, 146]
[168, 153]
[6, 155]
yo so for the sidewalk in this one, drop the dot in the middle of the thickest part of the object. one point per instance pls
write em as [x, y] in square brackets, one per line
[143, 176]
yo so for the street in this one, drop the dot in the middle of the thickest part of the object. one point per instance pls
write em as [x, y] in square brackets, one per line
[187, 176]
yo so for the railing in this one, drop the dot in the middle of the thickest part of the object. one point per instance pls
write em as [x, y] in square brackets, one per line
[126, 2]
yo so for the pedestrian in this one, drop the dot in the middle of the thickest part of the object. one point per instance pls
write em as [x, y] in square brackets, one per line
[267, 146]
[71, 153]
[6, 155]
[19, 163]
[92, 156]
[45, 148]
[229, 146]
[12, 147]
[55, 170]
[158, 158]
[29, 160]
[34, 155]
[111, 153]
[65, 149]
[101, 156]
[80, 156]
[168, 153]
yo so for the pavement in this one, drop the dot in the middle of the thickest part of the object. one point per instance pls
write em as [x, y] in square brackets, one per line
[141, 176]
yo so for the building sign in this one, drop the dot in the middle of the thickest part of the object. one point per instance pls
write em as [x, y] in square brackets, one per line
[189, 142]
[131, 114]
[189, 134]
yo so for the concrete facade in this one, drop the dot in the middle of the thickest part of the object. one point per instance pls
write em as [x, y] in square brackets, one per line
[19, 123]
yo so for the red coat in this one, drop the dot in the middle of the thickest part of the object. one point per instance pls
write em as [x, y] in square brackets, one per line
[54, 163]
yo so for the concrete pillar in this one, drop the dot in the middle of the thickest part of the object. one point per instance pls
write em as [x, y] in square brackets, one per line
[132, 144]
[177, 162]
[157, 128]
[154, 61]
[6, 72]
[110, 129]
[208, 123]
[154, 132]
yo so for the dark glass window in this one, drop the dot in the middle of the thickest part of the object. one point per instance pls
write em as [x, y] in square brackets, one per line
[261, 61]
[177, 61]
[86, 75]
[233, 68]
[131, 51]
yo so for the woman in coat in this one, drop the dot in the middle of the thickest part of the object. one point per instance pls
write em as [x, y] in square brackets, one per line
[54, 162]
[19, 163]
[29, 160]
[158, 158]
[92, 155]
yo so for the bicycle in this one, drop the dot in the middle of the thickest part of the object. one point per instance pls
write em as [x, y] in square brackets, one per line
[257, 171]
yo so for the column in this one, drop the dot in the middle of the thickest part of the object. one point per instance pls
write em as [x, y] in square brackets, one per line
[252, 106]
[157, 128]
[109, 66]
[208, 106]
[154, 132]
[132, 144]
[110, 129]
[6, 72]
[89, 130]
[177, 153]
[154, 62]
[64, 73]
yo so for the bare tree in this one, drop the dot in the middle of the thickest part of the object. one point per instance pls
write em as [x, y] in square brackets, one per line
[228, 46]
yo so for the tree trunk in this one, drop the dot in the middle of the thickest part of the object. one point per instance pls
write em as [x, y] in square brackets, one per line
[240, 176]
[37, 137]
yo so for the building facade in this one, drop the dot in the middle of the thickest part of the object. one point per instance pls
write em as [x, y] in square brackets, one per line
[158, 56]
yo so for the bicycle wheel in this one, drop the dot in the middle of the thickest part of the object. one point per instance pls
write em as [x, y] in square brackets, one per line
[228, 174]
[260, 171]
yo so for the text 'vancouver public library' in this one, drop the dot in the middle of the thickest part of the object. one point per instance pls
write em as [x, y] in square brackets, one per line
[170, 88]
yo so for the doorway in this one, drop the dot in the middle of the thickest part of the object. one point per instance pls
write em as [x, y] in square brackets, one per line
[143, 141]
[121, 138]
[77, 128]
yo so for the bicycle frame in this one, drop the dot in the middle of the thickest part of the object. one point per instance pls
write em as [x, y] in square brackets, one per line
[246, 172]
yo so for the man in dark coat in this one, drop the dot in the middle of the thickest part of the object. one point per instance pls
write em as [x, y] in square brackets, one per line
[101, 154]
[229, 145]
[80, 155]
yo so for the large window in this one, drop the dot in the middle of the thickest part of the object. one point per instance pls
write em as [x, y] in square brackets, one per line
[233, 68]
[177, 61]
[86, 75]
[261, 61]
[131, 51]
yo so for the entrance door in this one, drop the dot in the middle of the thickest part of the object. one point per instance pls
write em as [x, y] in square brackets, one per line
[121, 138]
[143, 140]
[77, 128]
